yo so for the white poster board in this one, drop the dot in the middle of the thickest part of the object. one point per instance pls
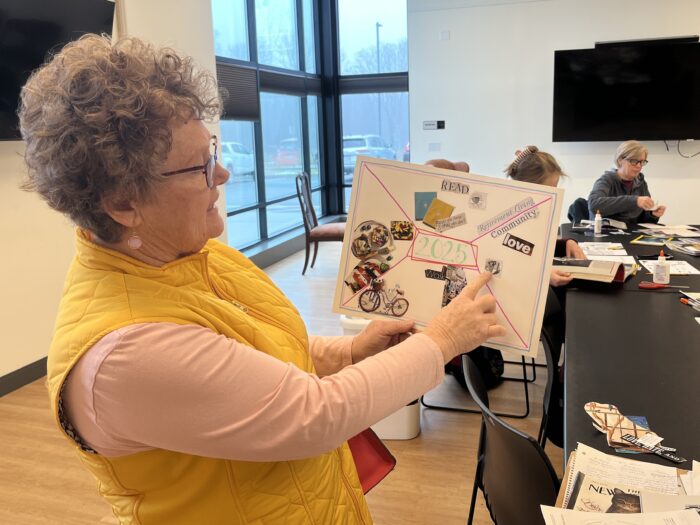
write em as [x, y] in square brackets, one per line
[416, 235]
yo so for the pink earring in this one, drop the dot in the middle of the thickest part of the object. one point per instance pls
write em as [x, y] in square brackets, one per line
[134, 241]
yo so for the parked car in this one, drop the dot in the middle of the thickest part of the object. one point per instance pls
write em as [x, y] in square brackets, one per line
[288, 153]
[237, 159]
[367, 145]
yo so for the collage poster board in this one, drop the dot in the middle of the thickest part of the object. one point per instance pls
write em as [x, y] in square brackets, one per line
[416, 235]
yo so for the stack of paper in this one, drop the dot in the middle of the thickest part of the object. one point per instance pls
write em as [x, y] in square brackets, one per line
[554, 516]
[690, 246]
[681, 230]
[605, 484]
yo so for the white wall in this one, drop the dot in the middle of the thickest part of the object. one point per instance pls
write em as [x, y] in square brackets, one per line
[38, 242]
[492, 83]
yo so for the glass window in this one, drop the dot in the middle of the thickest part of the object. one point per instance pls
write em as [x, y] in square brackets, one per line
[372, 36]
[346, 195]
[282, 143]
[309, 47]
[283, 216]
[237, 155]
[276, 27]
[243, 229]
[318, 206]
[374, 125]
[230, 21]
[314, 149]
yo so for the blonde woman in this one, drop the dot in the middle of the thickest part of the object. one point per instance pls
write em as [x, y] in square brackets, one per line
[621, 193]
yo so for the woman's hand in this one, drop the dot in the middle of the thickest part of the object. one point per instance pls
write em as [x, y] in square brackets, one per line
[573, 250]
[466, 322]
[377, 336]
[559, 278]
[645, 203]
[658, 212]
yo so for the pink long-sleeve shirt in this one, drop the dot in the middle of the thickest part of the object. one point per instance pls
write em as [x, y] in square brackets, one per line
[187, 389]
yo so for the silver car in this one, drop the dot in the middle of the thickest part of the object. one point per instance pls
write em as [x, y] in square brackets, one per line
[237, 159]
[367, 145]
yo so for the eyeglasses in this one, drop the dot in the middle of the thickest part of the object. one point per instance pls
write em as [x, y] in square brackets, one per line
[637, 162]
[207, 169]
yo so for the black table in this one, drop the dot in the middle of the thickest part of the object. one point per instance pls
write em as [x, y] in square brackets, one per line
[636, 349]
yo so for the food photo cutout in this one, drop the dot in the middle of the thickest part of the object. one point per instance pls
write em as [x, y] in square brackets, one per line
[417, 235]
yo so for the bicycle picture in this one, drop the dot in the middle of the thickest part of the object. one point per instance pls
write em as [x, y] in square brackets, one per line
[394, 302]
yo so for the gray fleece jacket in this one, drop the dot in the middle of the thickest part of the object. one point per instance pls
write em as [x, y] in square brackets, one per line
[615, 202]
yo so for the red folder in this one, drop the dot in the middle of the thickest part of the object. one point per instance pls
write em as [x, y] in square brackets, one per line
[372, 459]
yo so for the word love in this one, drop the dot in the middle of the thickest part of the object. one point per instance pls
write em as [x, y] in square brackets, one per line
[518, 244]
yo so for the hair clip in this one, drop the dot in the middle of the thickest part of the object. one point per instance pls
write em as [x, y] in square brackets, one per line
[527, 150]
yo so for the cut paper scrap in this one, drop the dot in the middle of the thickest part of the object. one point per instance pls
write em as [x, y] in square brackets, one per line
[451, 222]
[438, 210]
[423, 199]
[608, 420]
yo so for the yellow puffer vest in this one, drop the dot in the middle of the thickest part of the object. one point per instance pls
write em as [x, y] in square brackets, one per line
[222, 290]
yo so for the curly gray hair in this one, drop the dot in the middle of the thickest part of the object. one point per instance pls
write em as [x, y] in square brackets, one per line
[97, 120]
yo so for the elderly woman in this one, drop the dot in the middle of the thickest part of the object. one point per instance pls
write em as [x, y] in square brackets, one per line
[622, 193]
[182, 376]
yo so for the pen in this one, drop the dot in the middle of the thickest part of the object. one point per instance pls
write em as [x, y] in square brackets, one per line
[691, 302]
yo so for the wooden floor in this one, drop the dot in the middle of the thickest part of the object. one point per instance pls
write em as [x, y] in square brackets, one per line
[42, 482]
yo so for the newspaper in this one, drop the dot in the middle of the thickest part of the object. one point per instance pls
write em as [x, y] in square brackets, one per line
[627, 472]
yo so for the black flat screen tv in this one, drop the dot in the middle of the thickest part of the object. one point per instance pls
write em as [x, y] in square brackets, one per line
[29, 30]
[617, 93]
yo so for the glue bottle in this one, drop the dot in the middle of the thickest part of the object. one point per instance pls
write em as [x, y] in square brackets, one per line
[597, 224]
[662, 270]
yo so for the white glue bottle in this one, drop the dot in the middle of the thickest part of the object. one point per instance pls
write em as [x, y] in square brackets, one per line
[662, 270]
[597, 224]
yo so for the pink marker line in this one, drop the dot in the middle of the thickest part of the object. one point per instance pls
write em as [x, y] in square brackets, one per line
[506, 316]
[511, 219]
[390, 195]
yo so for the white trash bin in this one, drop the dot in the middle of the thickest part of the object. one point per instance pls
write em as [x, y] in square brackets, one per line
[402, 424]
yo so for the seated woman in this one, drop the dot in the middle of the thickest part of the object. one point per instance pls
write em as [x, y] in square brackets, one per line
[621, 193]
[535, 166]
[181, 375]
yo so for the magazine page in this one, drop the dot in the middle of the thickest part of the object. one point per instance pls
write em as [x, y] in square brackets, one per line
[653, 502]
[592, 495]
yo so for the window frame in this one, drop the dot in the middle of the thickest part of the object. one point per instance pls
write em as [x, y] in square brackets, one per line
[328, 86]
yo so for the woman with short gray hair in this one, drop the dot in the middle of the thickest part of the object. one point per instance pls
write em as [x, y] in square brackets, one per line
[622, 193]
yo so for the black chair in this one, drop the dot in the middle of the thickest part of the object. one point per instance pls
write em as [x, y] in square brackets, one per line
[551, 401]
[578, 211]
[513, 472]
[314, 232]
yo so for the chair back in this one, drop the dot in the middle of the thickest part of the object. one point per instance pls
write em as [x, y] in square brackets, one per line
[307, 207]
[513, 472]
[578, 211]
[550, 400]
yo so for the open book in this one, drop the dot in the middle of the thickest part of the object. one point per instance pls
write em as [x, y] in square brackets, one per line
[592, 270]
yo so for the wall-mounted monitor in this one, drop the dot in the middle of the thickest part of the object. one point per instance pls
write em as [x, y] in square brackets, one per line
[621, 92]
[29, 29]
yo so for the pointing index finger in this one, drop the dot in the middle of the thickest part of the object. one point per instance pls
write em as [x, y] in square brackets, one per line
[477, 284]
